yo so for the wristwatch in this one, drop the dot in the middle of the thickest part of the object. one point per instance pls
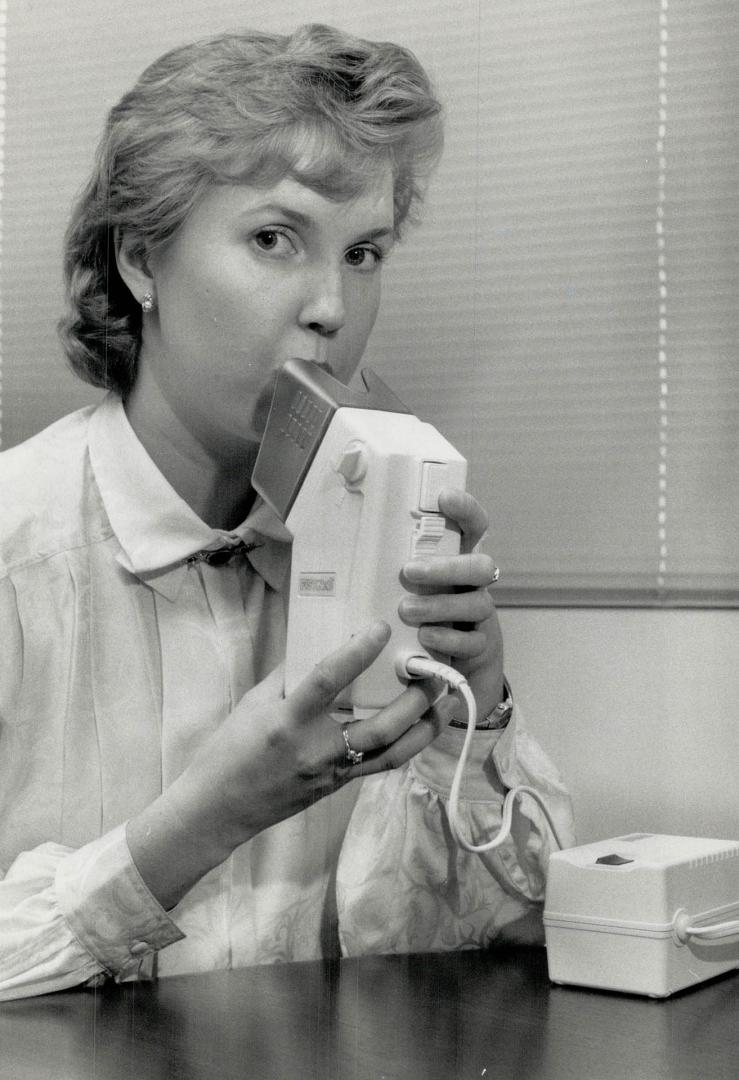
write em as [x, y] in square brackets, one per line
[498, 718]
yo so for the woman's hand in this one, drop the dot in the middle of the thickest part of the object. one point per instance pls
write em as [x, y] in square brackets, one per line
[272, 758]
[451, 604]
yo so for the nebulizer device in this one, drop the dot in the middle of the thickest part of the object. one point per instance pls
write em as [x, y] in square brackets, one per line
[355, 477]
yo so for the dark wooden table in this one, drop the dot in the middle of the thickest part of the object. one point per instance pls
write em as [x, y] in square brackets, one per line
[487, 1016]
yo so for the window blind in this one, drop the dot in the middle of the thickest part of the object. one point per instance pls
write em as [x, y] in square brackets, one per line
[567, 312]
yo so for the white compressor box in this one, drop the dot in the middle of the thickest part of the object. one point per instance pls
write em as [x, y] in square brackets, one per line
[643, 913]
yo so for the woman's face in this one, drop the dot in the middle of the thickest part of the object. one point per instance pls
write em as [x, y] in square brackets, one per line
[254, 277]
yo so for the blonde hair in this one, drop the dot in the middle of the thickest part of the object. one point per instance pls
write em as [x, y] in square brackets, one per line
[320, 105]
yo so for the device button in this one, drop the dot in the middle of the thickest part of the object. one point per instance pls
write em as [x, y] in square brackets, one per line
[352, 464]
[612, 860]
[433, 479]
[427, 535]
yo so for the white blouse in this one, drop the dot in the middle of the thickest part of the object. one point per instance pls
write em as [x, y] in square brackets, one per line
[119, 658]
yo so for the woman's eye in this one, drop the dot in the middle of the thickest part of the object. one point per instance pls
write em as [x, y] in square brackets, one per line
[365, 258]
[274, 241]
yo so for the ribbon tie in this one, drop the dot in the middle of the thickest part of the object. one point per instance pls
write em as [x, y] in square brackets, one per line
[222, 555]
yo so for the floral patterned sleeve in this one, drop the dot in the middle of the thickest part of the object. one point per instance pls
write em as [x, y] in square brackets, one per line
[404, 885]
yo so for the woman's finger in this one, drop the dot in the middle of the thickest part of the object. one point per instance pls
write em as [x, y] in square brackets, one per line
[472, 570]
[464, 607]
[388, 724]
[463, 508]
[335, 672]
[451, 641]
[412, 741]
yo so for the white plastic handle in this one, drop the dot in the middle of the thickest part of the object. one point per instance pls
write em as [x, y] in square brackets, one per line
[684, 930]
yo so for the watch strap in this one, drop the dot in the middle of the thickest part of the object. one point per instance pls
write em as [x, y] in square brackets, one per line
[497, 718]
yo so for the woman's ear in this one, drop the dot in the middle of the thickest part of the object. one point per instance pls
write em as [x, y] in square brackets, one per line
[130, 257]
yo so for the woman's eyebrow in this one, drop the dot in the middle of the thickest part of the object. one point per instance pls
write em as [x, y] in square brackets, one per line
[379, 233]
[305, 221]
[279, 210]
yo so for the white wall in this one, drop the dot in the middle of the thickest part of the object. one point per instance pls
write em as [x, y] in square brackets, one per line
[639, 709]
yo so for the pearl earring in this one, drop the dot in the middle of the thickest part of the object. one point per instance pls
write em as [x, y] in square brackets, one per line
[147, 303]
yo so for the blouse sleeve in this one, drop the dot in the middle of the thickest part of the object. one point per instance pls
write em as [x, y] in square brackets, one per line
[403, 883]
[67, 917]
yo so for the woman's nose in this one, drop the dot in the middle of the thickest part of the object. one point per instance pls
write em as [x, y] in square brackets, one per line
[323, 310]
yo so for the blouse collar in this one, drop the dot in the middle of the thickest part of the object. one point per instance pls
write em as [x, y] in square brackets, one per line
[155, 527]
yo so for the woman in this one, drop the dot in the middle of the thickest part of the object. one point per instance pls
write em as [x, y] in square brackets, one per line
[161, 797]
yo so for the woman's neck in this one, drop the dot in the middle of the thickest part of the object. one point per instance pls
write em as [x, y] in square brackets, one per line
[215, 485]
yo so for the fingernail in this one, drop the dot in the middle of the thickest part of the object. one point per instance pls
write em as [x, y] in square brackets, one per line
[416, 571]
[408, 609]
[380, 631]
